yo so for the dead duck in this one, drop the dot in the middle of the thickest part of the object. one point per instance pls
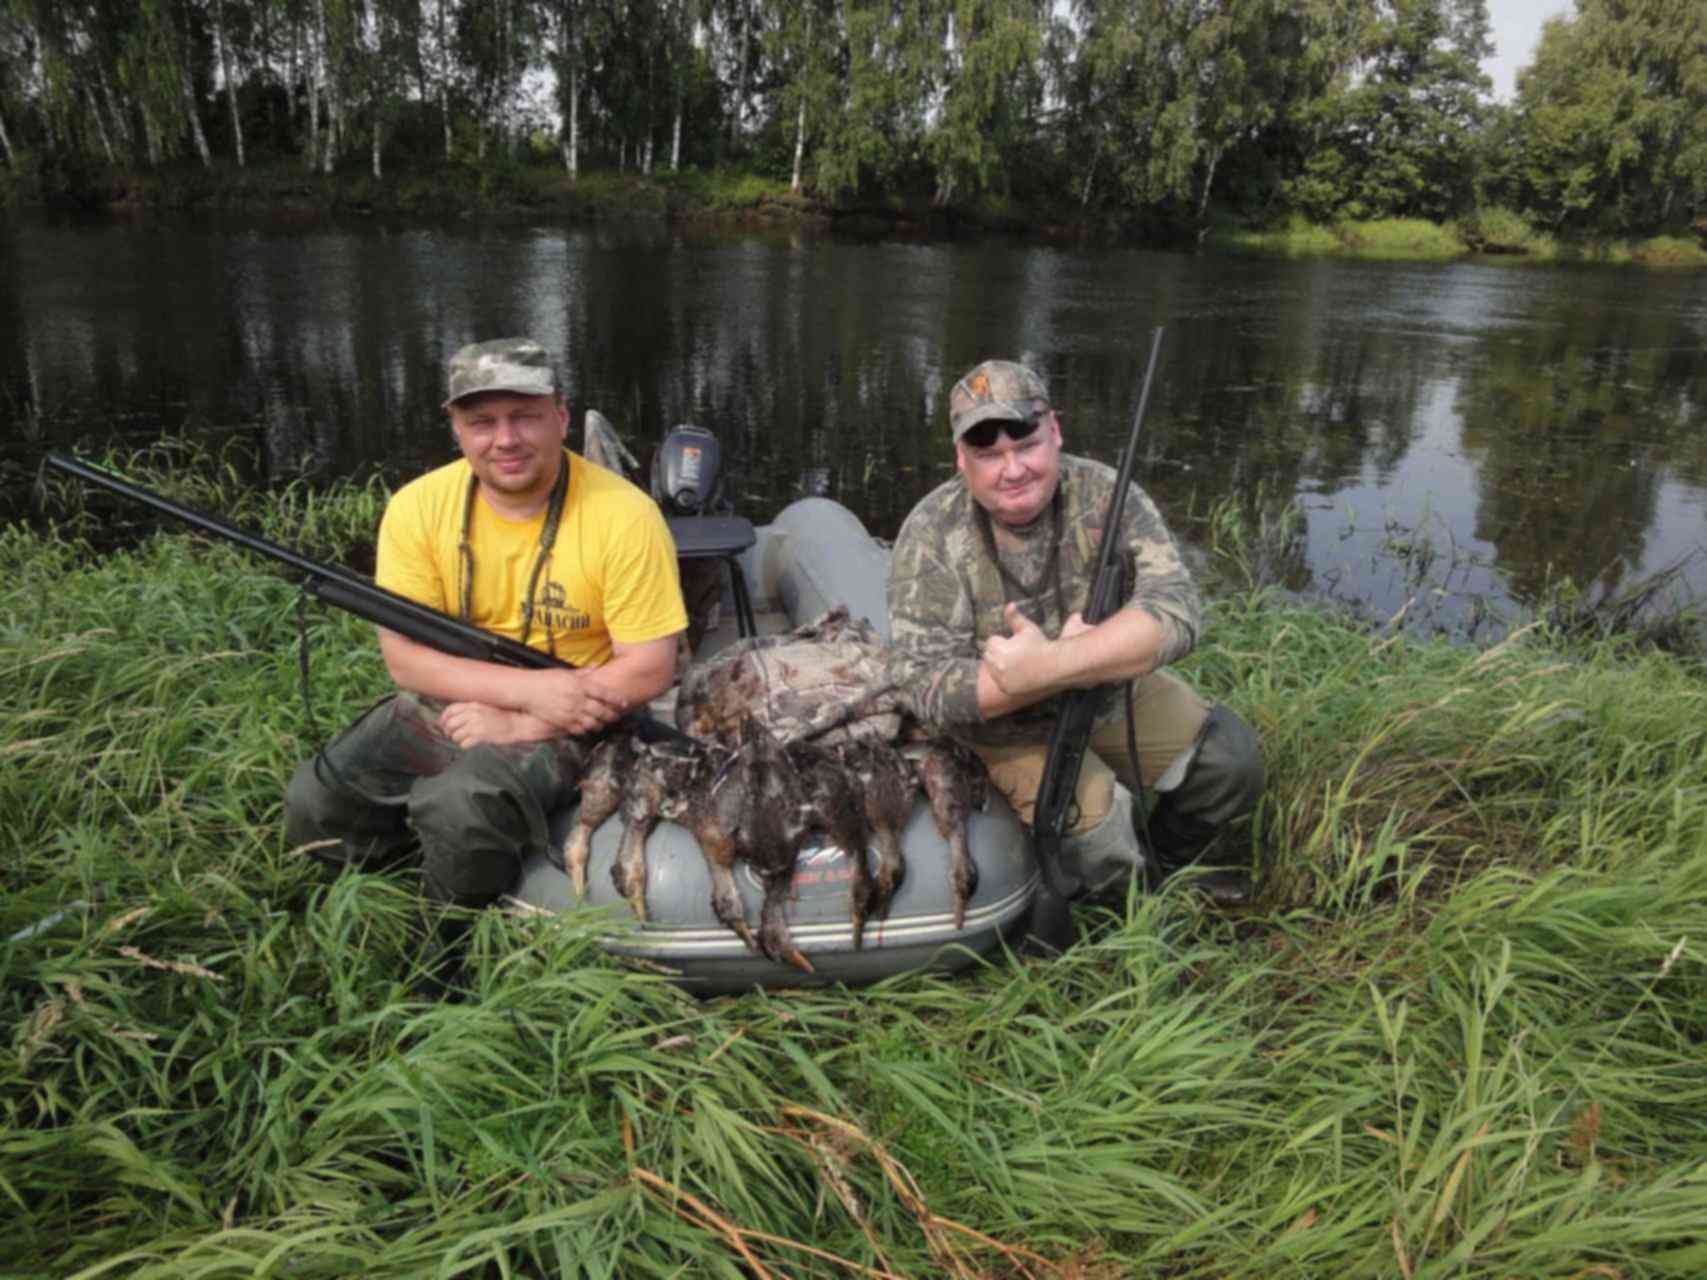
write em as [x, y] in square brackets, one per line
[756, 809]
[955, 784]
[886, 785]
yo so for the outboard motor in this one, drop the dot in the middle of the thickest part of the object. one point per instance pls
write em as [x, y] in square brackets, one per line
[687, 477]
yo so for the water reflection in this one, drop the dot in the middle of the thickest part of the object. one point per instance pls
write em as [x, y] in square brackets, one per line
[1503, 428]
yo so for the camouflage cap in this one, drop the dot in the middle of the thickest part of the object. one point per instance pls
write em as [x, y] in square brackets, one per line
[997, 390]
[517, 365]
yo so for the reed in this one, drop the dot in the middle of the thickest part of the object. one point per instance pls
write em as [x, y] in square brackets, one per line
[1460, 1034]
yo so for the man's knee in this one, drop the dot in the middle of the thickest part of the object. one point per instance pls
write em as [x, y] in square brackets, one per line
[1017, 772]
[476, 821]
[306, 805]
[337, 825]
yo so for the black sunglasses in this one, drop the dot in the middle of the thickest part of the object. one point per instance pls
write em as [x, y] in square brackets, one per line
[984, 434]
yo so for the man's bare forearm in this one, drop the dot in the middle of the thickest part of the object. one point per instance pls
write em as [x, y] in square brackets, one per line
[419, 669]
[1026, 667]
[573, 701]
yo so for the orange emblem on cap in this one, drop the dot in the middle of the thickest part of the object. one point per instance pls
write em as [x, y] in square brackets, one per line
[980, 384]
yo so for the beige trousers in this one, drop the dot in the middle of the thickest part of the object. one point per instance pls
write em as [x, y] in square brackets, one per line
[1167, 715]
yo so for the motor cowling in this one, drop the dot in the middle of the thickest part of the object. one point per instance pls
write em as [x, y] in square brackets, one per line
[687, 477]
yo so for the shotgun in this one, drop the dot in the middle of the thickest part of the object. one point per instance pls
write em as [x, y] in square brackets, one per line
[1072, 733]
[341, 588]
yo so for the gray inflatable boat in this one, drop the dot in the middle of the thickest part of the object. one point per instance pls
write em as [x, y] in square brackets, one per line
[815, 555]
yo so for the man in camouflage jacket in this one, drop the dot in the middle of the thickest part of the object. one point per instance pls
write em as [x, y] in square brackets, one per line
[988, 577]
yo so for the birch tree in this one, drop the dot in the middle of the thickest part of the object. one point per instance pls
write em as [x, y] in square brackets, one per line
[568, 69]
[222, 54]
[801, 44]
[990, 87]
[187, 84]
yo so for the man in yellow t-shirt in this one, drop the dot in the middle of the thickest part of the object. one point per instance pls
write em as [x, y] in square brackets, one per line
[524, 538]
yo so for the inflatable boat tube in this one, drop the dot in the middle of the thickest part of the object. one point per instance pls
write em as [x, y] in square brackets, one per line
[814, 555]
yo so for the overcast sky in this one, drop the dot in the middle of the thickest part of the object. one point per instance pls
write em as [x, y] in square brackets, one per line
[1516, 28]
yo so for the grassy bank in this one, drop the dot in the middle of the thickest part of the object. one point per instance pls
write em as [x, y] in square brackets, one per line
[497, 189]
[1461, 1035]
[1498, 232]
[494, 189]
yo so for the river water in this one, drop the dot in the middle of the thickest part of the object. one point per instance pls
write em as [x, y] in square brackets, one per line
[1456, 435]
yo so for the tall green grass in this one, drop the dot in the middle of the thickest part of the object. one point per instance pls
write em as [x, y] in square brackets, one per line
[1408, 239]
[1461, 1034]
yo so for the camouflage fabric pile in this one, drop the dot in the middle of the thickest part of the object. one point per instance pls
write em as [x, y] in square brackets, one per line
[827, 682]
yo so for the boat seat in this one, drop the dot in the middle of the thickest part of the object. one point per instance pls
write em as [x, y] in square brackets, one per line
[725, 538]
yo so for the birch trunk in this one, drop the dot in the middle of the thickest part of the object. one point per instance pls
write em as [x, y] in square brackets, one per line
[1203, 200]
[222, 50]
[334, 129]
[152, 135]
[799, 146]
[444, 80]
[570, 132]
[290, 92]
[645, 156]
[316, 74]
[329, 89]
[101, 126]
[6, 145]
[507, 130]
[121, 126]
[735, 113]
[194, 116]
[378, 82]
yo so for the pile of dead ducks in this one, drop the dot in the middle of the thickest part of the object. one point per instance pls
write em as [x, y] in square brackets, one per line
[778, 741]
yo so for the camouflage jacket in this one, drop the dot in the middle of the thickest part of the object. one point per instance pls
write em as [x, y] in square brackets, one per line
[946, 595]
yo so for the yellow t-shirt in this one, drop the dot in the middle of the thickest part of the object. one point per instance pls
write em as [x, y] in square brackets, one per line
[611, 576]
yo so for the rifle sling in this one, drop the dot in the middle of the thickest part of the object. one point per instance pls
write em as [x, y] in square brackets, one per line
[1049, 577]
[547, 539]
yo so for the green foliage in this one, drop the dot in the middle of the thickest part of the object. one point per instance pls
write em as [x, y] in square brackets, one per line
[1149, 118]
[1614, 115]
[1406, 238]
[1670, 251]
[1497, 229]
[1399, 139]
[1297, 237]
[1459, 1035]
[1399, 238]
[990, 94]
[721, 190]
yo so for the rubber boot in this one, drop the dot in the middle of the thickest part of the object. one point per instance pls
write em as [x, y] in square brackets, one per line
[1108, 856]
[1223, 782]
[1102, 860]
[1181, 843]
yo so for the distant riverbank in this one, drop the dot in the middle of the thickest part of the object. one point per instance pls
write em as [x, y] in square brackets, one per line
[506, 190]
